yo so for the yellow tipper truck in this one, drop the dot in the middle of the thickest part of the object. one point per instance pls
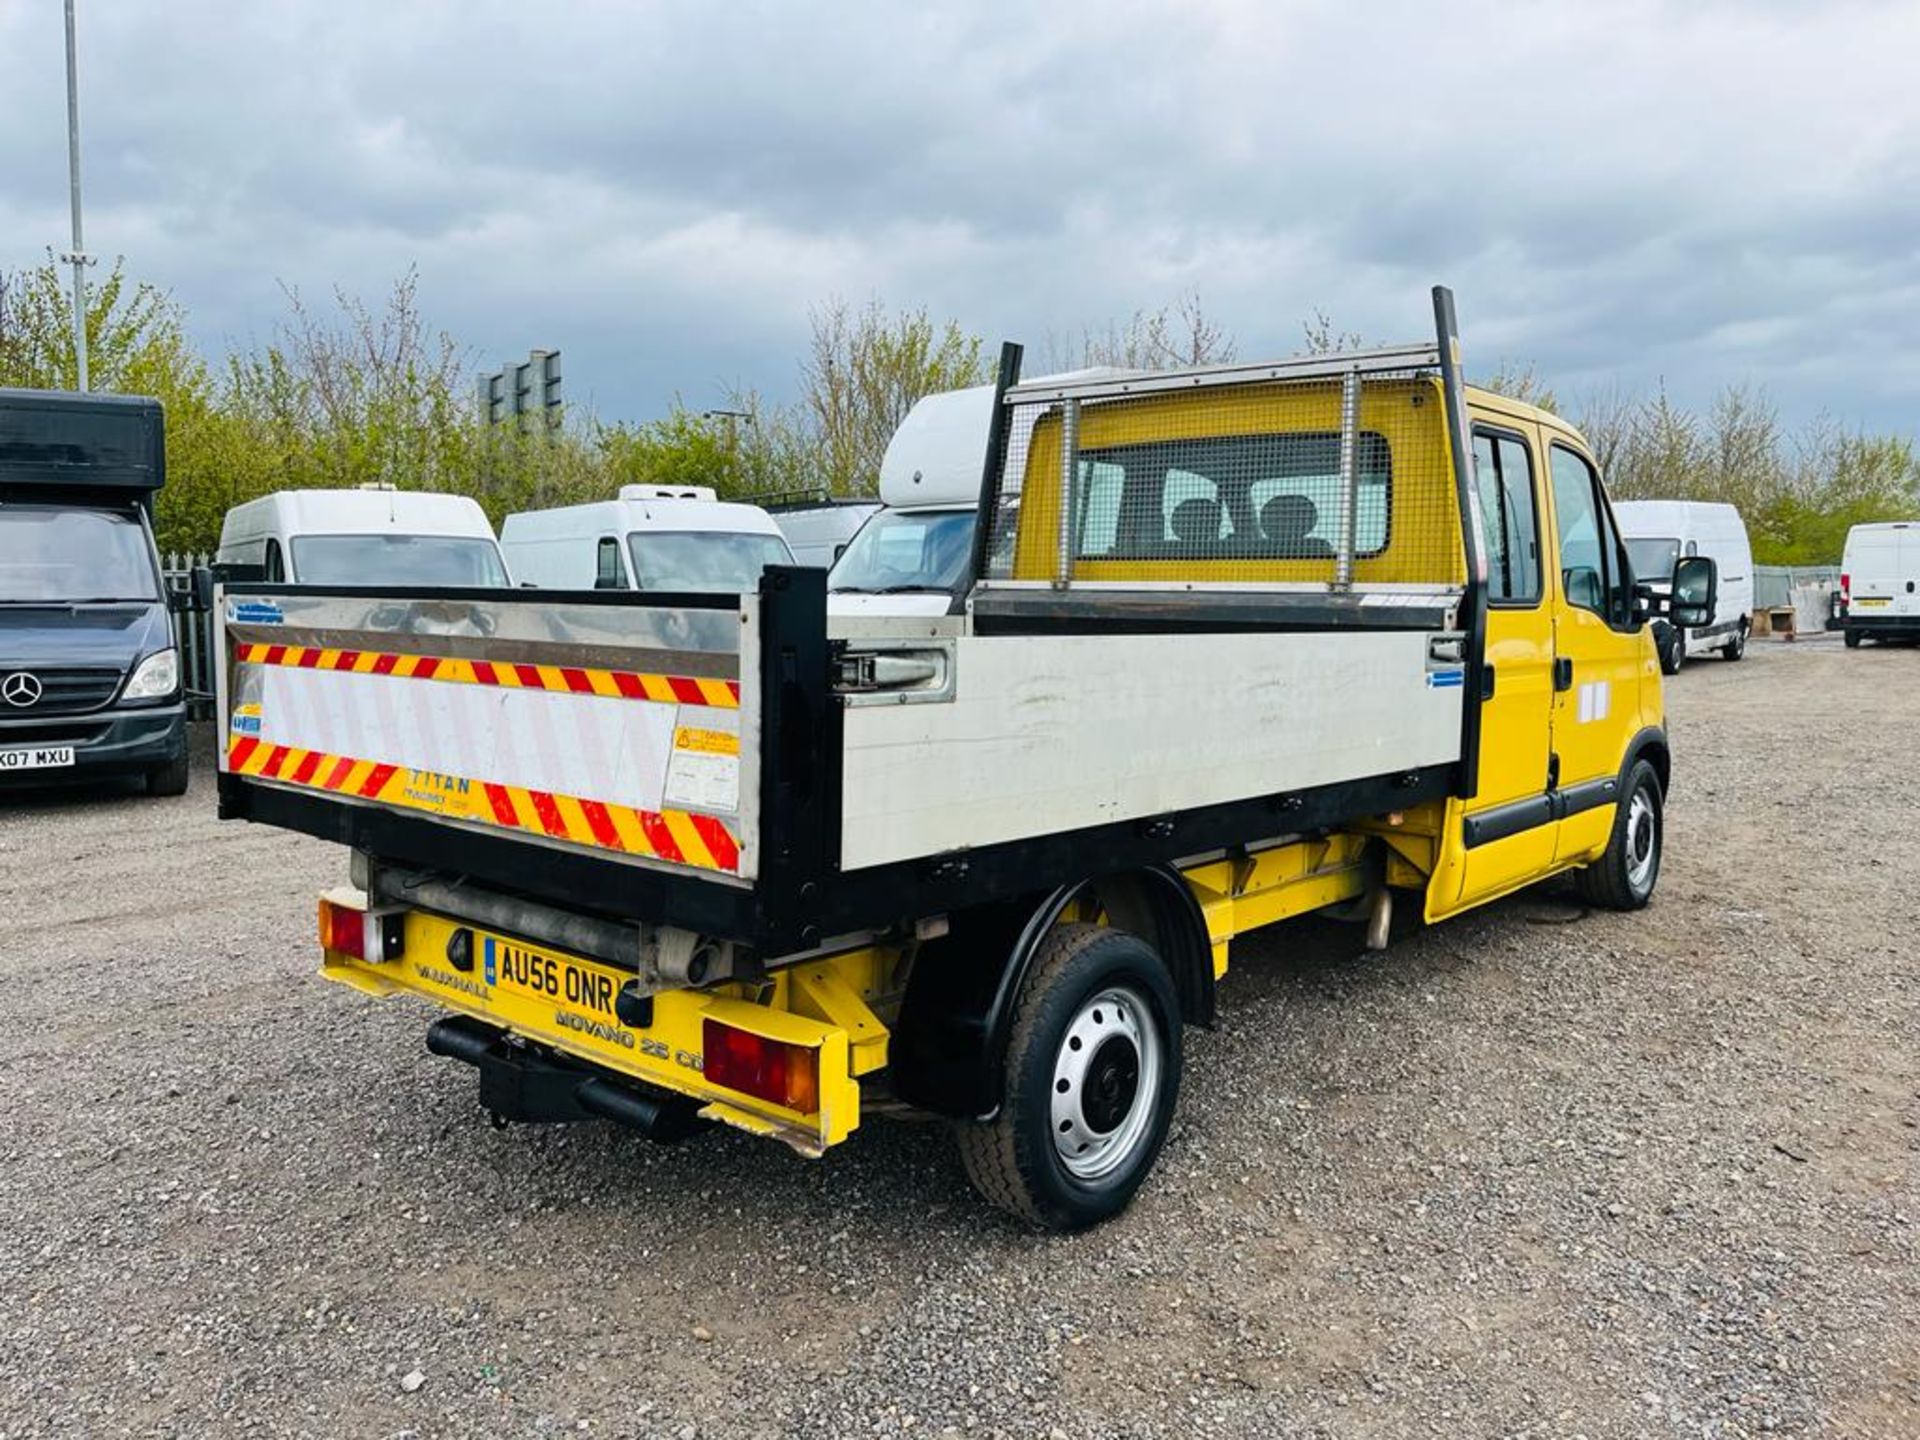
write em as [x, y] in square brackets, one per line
[1240, 643]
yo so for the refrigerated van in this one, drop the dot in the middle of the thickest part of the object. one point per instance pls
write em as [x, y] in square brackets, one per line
[1879, 576]
[679, 539]
[1660, 533]
[373, 535]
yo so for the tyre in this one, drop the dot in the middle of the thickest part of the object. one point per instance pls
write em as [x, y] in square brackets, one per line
[1674, 653]
[1851, 639]
[1736, 648]
[170, 778]
[1091, 1076]
[1626, 872]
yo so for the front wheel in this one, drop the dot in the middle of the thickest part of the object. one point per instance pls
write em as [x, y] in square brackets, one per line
[170, 778]
[1674, 654]
[1091, 1076]
[1626, 872]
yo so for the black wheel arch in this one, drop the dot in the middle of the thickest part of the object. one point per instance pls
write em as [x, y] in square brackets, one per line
[1649, 745]
[950, 1041]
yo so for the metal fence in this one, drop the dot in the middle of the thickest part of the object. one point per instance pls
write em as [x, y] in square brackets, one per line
[192, 630]
[1775, 585]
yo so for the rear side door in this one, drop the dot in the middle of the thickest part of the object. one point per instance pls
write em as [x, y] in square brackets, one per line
[1601, 657]
[1506, 827]
[1873, 564]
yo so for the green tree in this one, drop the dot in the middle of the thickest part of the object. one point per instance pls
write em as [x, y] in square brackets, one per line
[1323, 339]
[136, 345]
[1175, 335]
[864, 371]
[1519, 380]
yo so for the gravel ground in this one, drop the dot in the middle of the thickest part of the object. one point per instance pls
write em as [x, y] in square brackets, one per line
[1531, 1172]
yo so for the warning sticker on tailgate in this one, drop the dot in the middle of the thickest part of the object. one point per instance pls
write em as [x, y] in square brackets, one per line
[704, 772]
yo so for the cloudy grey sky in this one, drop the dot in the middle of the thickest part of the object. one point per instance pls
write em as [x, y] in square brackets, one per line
[1630, 190]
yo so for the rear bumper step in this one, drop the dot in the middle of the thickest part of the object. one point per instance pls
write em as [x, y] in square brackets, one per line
[519, 1083]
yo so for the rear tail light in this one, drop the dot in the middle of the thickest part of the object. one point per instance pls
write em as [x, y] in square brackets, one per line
[364, 934]
[1846, 586]
[773, 1070]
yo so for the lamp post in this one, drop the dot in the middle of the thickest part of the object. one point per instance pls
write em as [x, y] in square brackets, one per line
[77, 257]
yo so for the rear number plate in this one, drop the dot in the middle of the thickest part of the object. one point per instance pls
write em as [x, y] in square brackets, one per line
[540, 976]
[41, 757]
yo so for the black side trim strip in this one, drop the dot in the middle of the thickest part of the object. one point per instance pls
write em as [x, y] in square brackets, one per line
[1154, 612]
[1518, 816]
[1502, 821]
[1588, 795]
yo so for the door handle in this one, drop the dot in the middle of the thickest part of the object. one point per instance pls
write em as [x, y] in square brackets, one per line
[1562, 674]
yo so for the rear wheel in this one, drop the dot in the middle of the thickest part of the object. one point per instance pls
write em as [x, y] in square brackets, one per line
[170, 778]
[1852, 639]
[1091, 1077]
[1625, 874]
[1736, 648]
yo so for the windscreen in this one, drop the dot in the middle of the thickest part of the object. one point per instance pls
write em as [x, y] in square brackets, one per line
[52, 554]
[906, 550]
[409, 560]
[1653, 559]
[722, 562]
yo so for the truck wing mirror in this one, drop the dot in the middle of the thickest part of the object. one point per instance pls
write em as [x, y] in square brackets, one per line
[202, 593]
[1696, 585]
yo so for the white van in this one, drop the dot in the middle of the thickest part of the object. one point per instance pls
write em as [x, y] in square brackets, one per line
[654, 537]
[1658, 533]
[1880, 582]
[817, 526]
[914, 554]
[374, 535]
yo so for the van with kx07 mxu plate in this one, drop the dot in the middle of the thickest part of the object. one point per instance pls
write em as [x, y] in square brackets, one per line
[1880, 583]
[1237, 644]
[90, 680]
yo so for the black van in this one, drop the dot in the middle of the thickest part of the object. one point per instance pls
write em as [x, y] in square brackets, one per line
[90, 681]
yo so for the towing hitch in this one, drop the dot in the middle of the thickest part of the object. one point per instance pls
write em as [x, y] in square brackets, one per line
[519, 1083]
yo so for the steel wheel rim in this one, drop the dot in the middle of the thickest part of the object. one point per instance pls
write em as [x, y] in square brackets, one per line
[1107, 1076]
[1643, 840]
